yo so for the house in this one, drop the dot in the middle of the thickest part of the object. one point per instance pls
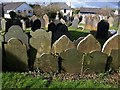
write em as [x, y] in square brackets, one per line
[64, 8]
[18, 7]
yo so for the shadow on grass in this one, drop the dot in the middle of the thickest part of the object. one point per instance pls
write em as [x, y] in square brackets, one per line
[76, 34]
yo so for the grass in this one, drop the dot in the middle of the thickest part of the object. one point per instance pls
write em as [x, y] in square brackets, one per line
[24, 80]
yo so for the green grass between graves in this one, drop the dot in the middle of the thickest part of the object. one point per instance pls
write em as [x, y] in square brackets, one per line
[22, 80]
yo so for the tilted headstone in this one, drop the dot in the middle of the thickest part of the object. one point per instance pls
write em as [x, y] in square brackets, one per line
[62, 44]
[115, 64]
[75, 23]
[95, 62]
[41, 41]
[111, 44]
[88, 44]
[16, 55]
[47, 63]
[72, 61]
[17, 32]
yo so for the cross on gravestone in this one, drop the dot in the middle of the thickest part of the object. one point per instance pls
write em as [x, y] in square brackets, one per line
[95, 62]
[16, 55]
[88, 44]
[72, 61]
[111, 44]
[47, 63]
[17, 32]
[62, 44]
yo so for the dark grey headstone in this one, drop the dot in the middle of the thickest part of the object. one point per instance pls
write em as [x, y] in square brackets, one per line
[17, 32]
[16, 55]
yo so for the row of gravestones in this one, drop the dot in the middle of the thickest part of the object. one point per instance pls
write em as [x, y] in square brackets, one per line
[63, 55]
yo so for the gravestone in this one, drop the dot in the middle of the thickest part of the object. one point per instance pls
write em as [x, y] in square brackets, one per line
[78, 40]
[0, 24]
[111, 44]
[47, 63]
[72, 61]
[46, 18]
[62, 21]
[33, 18]
[88, 44]
[3, 24]
[94, 23]
[16, 55]
[1, 53]
[111, 21]
[75, 23]
[62, 44]
[17, 32]
[41, 41]
[102, 30]
[88, 22]
[36, 25]
[116, 21]
[115, 59]
[95, 62]
[42, 23]
[23, 24]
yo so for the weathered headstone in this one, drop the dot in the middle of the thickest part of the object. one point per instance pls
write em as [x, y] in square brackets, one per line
[78, 40]
[17, 32]
[16, 55]
[94, 23]
[42, 23]
[115, 59]
[88, 44]
[110, 21]
[3, 24]
[72, 61]
[0, 25]
[75, 23]
[47, 63]
[95, 62]
[23, 24]
[62, 44]
[88, 22]
[41, 41]
[46, 18]
[36, 25]
[111, 44]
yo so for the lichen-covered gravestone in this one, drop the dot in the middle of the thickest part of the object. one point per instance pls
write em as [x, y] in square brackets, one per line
[111, 44]
[75, 23]
[16, 55]
[88, 44]
[17, 32]
[41, 41]
[95, 62]
[62, 44]
[72, 61]
[47, 63]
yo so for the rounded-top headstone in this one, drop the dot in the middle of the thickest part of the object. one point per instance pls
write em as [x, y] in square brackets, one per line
[111, 44]
[16, 31]
[88, 44]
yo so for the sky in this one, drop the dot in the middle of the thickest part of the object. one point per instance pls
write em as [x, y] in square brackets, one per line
[75, 3]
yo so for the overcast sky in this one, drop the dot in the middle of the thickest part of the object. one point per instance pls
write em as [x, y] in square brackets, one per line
[75, 3]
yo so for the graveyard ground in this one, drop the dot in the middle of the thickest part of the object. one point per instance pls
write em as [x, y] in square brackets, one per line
[38, 80]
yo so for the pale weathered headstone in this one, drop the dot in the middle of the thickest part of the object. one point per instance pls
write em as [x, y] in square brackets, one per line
[72, 61]
[0, 25]
[41, 41]
[75, 23]
[115, 55]
[111, 44]
[16, 55]
[94, 23]
[46, 18]
[88, 22]
[88, 44]
[95, 62]
[47, 63]
[17, 32]
[42, 23]
[111, 21]
[62, 44]
[23, 24]
[3, 24]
